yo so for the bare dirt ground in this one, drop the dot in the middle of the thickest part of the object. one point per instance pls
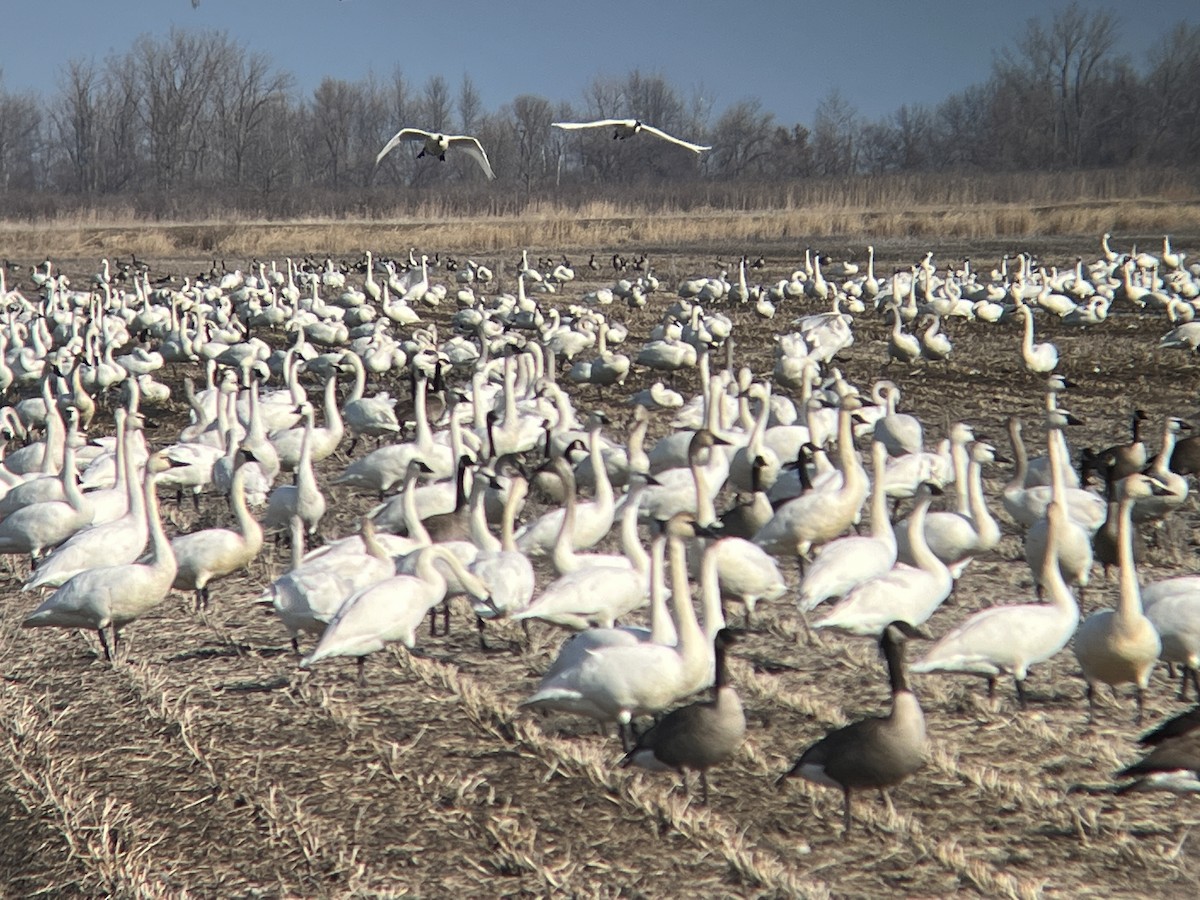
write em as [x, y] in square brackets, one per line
[207, 764]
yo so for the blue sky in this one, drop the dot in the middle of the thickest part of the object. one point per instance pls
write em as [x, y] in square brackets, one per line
[879, 54]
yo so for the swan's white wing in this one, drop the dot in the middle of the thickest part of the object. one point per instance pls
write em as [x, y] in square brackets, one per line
[599, 123]
[657, 132]
[404, 134]
[475, 149]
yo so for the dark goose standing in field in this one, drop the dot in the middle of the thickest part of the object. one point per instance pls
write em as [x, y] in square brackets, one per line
[697, 736]
[877, 752]
[1173, 761]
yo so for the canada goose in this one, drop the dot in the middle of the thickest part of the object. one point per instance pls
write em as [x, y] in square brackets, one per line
[751, 511]
[114, 596]
[1009, 639]
[1173, 762]
[700, 735]
[435, 144]
[1185, 458]
[877, 752]
[624, 128]
[1105, 543]
[454, 524]
[1120, 646]
[1127, 458]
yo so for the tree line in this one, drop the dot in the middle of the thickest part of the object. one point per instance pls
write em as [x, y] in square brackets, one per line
[196, 123]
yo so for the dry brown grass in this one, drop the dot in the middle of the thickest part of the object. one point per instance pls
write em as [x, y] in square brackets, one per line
[208, 764]
[946, 207]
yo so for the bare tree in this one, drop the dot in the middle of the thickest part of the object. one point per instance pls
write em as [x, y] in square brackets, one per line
[1173, 97]
[834, 130]
[435, 104]
[246, 89]
[330, 130]
[531, 117]
[470, 105]
[75, 118]
[20, 126]
[123, 139]
[1063, 66]
[791, 152]
[742, 141]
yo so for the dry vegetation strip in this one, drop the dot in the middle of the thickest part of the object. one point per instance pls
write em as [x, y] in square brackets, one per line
[601, 226]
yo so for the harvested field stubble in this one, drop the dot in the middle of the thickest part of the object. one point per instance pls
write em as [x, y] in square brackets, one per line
[208, 764]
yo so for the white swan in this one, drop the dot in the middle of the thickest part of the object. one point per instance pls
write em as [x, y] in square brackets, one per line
[596, 588]
[1121, 646]
[39, 527]
[114, 596]
[900, 432]
[1073, 541]
[391, 610]
[322, 441]
[215, 552]
[911, 594]
[302, 499]
[1007, 640]
[819, 515]
[624, 128]
[846, 562]
[954, 537]
[366, 416]
[1038, 358]
[616, 683]
[436, 144]
[1027, 505]
[594, 520]
[308, 596]
[500, 565]
[118, 542]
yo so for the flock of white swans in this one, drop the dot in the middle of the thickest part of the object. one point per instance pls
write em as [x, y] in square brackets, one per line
[494, 422]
